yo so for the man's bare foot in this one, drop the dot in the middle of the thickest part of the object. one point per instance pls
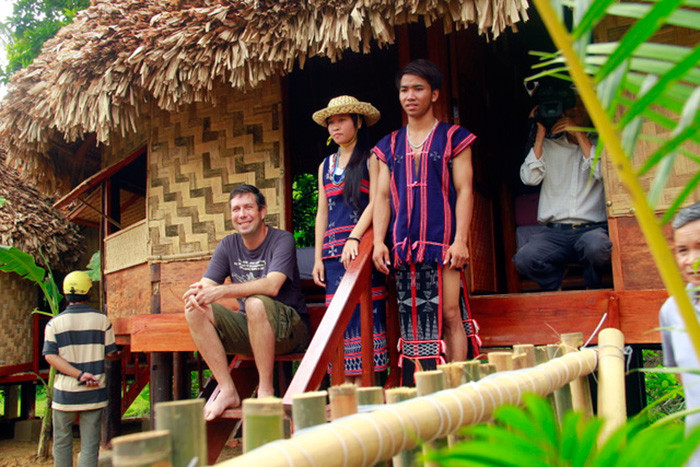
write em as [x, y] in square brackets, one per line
[265, 392]
[224, 400]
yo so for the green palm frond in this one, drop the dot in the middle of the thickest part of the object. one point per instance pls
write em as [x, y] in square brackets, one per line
[529, 436]
[627, 83]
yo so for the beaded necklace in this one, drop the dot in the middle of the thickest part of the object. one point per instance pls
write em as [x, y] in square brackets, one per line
[334, 172]
[418, 146]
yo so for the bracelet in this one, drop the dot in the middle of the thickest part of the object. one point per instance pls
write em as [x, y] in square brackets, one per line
[80, 375]
[354, 238]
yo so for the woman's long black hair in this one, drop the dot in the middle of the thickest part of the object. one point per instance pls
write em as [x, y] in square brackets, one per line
[356, 165]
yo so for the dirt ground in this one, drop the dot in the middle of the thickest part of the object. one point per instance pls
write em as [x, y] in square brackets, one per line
[23, 453]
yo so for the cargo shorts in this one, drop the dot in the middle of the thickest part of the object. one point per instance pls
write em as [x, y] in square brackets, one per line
[291, 333]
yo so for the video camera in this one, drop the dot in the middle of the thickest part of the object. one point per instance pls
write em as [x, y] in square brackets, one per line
[552, 100]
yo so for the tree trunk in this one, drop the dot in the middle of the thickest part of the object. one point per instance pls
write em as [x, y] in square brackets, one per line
[46, 432]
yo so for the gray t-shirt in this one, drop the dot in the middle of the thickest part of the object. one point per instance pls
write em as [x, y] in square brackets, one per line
[276, 253]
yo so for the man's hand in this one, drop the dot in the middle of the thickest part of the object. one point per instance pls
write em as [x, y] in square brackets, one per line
[381, 258]
[202, 294]
[457, 256]
[88, 379]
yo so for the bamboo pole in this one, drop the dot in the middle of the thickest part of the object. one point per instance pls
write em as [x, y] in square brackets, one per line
[262, 422]
[612, 407]
[188, 430]
[471, 369]
[486, 369]
[428, 382]
[343, 400]
[405, 458]
[562, 396]
[455, 374]
[367, 438]
[529, 351]
[581, 399]
[309, 409]
[147, 449]
[503, 361]
[373, 395]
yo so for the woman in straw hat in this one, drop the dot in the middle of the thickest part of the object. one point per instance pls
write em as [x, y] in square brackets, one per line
[344, 214]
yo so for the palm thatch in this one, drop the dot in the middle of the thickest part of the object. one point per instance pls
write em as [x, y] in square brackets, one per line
[29, 222]
[98, 72]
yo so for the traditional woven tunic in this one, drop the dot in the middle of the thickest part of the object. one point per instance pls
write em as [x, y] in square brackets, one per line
[422, 229]
[341, 220]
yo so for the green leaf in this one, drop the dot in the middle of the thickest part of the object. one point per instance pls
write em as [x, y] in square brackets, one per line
[672, 74]
[593, 14]
[638, 33]
[680, 199]
[94, 268]
[19, 262]
[684, 18]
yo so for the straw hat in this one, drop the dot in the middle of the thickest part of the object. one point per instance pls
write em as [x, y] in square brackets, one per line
[347, 105]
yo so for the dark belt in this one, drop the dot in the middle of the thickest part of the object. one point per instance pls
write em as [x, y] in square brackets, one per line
[582, 225]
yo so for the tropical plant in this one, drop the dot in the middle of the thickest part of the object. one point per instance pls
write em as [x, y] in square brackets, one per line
[304, 199]
[531, 436]
[21, 263]
[32, 23]
[626, 83]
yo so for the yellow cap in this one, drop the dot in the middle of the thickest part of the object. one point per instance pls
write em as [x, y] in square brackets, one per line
[77, 282]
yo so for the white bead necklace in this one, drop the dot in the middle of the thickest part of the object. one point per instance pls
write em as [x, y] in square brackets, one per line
[418, 146]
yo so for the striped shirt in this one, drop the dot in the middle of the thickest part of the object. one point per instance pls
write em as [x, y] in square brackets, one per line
[82, 336]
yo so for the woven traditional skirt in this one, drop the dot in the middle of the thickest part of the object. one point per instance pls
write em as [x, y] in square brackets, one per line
[352, 339]
[419, 295]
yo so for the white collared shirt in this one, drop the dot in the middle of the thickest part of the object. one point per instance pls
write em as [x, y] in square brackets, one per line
[570, 193]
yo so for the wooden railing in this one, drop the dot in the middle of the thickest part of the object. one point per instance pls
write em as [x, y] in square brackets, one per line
[326, 346]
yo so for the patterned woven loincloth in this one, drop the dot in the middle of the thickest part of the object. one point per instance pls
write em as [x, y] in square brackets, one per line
[419, 291]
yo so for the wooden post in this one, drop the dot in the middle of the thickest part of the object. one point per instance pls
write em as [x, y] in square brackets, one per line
[262, 422]
[471, 369]
[370, 396]
[612, 407]
[343, 400]
[27, 408]
[11, 401]
[580, 389]
[188, 431]
[562, 397]
[503, 361]
[394, 395]
[309, 409]
[161, 379]
[148, 449]
[112, 423]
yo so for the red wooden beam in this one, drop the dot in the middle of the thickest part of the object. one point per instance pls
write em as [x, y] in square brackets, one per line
[329, 335]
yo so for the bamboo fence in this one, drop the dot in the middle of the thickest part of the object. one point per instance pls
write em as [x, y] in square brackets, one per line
[368, 438]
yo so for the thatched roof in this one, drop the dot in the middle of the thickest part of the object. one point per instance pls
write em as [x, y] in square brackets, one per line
[30, 223]
[97, 73]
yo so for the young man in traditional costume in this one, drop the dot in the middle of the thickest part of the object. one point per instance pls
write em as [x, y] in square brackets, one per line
[424, 192]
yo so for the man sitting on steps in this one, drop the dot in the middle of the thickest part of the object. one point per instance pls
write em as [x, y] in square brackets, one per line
[272, 319]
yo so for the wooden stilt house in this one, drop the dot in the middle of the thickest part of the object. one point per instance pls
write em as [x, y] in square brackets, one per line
[142, 115]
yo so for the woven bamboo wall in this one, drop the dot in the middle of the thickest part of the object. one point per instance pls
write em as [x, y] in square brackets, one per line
[198, 155]
[18, 299]
[619, 203]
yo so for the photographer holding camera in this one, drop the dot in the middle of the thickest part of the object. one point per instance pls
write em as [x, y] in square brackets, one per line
[572, 201]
